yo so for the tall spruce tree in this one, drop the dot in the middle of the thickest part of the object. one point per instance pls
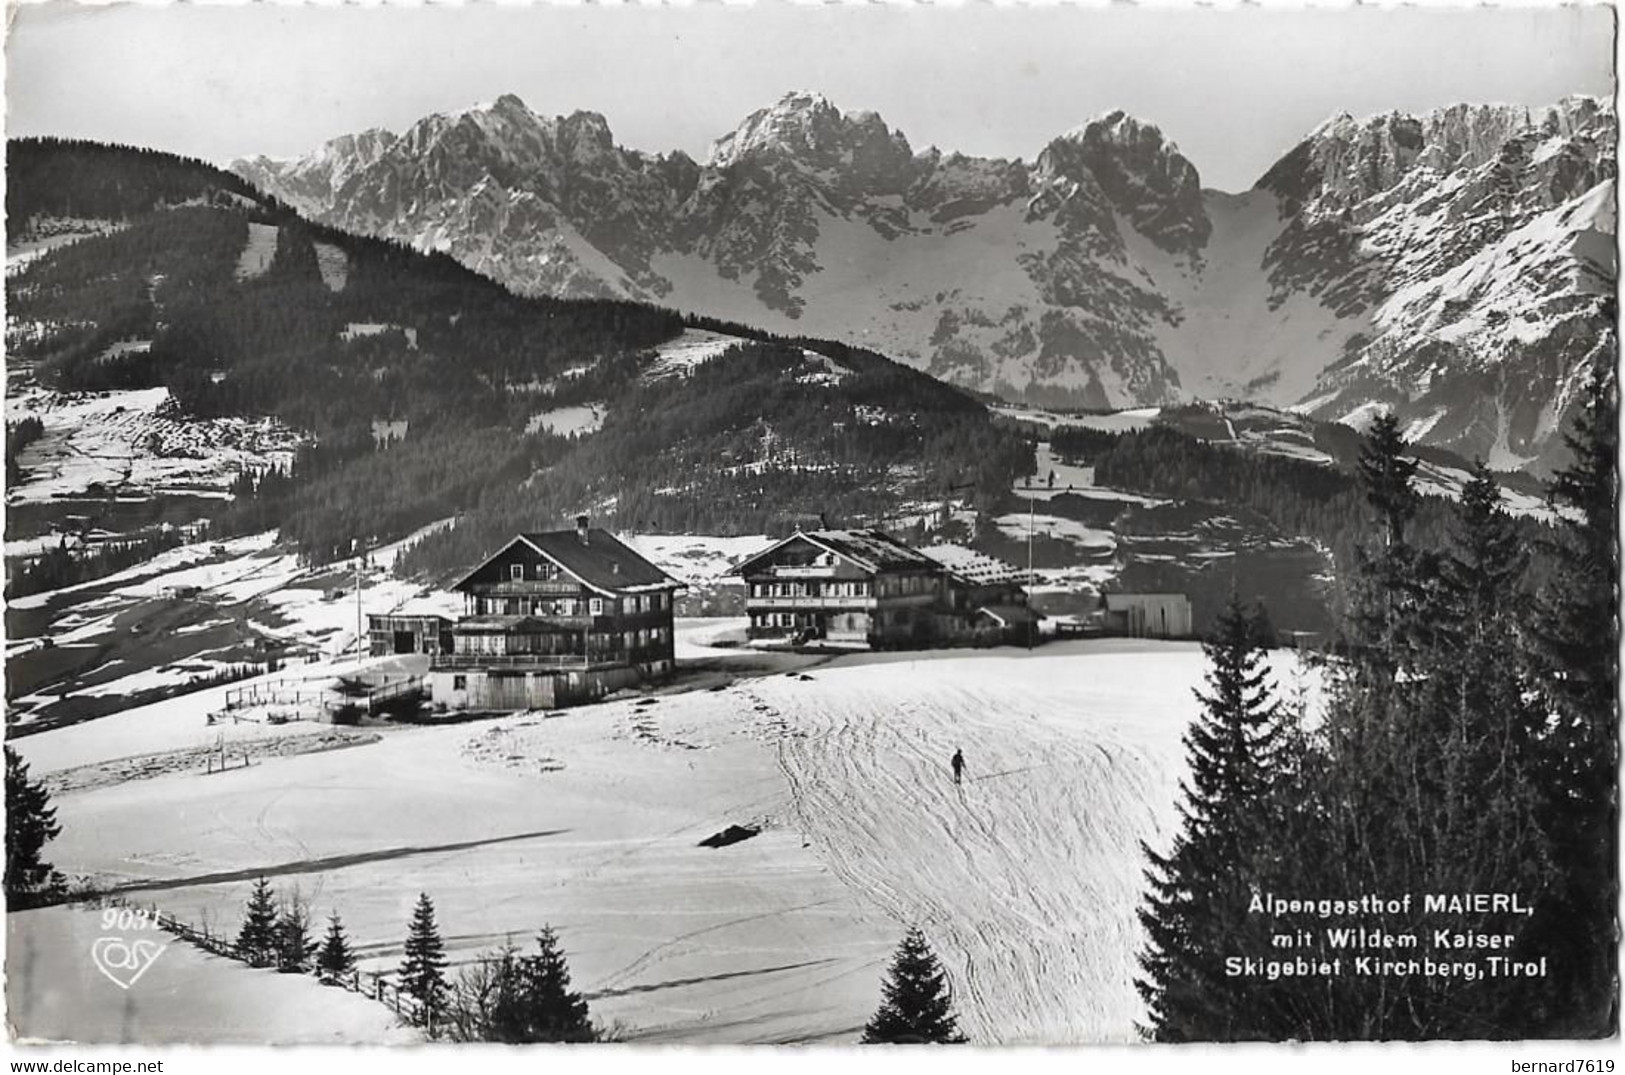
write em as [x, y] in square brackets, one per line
[30, 824]
[1390, 573]
[257, 939]
[1196, 912]
[335, 959]
[915, 1008]
[1574, 648]
[422, 973]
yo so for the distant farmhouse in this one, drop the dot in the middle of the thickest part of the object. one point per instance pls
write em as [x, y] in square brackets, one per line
[866, 588]
[553, 619]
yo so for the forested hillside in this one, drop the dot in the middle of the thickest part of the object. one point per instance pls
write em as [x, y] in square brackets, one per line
[758, 436]
[1299, 498]
[423, 388]
[60, 179]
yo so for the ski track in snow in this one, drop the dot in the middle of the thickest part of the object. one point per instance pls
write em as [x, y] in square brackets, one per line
[1024, 878]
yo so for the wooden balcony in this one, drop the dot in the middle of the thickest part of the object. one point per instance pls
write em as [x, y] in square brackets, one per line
[524, 662]
[527, 588]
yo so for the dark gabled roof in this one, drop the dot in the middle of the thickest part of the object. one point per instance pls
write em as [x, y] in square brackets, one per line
[604, 563]
[872, 550]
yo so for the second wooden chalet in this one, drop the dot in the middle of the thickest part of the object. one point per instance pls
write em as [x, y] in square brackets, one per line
[865, 588]
[556, 618]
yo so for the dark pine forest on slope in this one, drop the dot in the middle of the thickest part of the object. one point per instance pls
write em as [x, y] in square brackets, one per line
[1296, 497]
[765, 431]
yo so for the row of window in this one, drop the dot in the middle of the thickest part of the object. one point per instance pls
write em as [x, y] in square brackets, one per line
[498, 645]
[779, 619]
[858, 588]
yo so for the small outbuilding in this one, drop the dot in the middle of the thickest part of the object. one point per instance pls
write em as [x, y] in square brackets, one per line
[1148, 615]
[390, 634]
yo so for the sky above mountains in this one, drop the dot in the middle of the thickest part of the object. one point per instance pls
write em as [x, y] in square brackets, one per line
[1235, 89]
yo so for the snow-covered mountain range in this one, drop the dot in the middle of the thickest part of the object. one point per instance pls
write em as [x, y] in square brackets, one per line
[1456, 266]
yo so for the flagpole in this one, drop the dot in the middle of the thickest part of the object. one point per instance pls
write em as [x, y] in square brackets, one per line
[1032, 523]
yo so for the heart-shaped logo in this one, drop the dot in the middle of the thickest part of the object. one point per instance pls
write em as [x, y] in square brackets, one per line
[124, 962]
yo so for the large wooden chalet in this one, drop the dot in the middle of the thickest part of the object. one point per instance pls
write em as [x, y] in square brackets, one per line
[553, 619]
[866, 588]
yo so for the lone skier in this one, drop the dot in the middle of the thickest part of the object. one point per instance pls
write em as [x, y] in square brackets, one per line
[958, 764]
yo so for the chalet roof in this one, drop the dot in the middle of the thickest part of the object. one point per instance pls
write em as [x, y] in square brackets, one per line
[872, 550]
[604, 562]
[972, 566]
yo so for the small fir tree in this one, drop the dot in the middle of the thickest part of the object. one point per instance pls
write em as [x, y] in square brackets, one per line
[257, 939]
[422, 973]
[916, 1008]
[30, 825]
[293, 947]
[335, 959]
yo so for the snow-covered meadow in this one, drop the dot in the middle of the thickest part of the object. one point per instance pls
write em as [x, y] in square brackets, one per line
[1025, 878]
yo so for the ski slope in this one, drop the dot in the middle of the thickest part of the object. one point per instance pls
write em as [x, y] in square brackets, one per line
[1026, 876]
[1025, 879]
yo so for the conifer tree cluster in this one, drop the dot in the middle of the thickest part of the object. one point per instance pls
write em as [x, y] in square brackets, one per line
[275, 932]
[915, 1007]
[1468, 745]
[520, 999]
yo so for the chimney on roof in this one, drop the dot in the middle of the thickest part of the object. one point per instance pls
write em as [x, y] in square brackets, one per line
[581, 528]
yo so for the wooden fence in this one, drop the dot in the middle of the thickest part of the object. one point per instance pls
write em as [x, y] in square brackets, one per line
[315, 692]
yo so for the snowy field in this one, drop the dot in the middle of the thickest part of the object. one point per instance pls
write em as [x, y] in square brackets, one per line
[1025, 879]
[693, 347]
[1114, 422]
[129, 442]
[697, 559]
[55, 993]
[1018, 526]
[568, 421]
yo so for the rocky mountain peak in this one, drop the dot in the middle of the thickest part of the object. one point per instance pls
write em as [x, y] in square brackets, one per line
[1346, 160]
[806, 127]
[1143, 175]
[1456, 265]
